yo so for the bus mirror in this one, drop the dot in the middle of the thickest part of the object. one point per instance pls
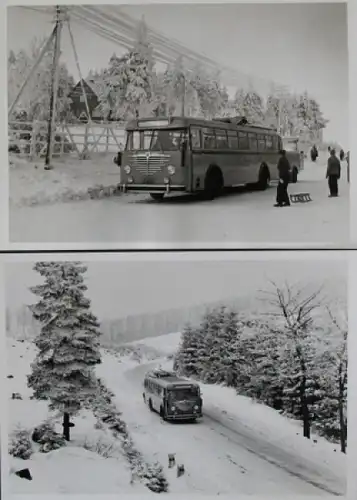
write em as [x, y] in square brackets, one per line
[117, 159]
[183, 152]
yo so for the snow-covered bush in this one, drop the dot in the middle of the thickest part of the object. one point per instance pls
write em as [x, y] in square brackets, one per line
[102, 447]
[154, 478]
[20, 445]
[48, 439]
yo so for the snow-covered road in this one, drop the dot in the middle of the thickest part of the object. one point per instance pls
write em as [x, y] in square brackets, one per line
[238, 218]
[218, 458]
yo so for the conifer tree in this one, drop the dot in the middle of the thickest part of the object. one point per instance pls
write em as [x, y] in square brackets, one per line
[68, 343]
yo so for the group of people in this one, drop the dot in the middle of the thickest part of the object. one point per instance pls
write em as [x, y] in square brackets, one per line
[333, 174]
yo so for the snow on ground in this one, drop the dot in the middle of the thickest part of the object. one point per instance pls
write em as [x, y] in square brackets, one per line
[74, 469]
[70, 179]
[238, 218]
[236, 442]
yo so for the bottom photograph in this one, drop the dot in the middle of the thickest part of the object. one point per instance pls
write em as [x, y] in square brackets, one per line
[213, 374]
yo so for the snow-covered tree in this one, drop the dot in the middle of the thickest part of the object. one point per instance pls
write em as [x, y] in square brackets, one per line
[249, 104]
[35, 99]
[331, 409]
[68, 344]
[130, 80]
[295, 307]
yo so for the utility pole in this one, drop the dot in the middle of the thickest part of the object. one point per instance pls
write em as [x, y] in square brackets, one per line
[54, 88]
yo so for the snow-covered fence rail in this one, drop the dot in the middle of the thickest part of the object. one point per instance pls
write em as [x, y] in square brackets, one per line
[29, 139]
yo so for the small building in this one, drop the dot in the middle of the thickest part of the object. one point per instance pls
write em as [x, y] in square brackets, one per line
[76, 96]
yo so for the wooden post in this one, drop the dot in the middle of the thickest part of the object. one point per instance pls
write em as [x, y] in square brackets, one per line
[62, 140]
[54, 89]
[107, 145]
[33, 151]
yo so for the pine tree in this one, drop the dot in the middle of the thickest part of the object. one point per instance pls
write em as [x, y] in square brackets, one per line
[68, 344]
[130, 80]
[187, 360]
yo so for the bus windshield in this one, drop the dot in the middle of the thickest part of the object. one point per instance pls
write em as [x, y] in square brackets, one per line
[156, 140]
[182, 393]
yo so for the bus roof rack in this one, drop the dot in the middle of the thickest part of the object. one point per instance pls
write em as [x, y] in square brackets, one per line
[242, 120]
[160, 373]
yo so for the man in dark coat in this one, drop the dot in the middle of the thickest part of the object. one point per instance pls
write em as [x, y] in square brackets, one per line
[342, 155]
[282, 197]
[333, 173]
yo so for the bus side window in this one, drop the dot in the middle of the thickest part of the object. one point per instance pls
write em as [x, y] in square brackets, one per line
[269, 142]
[221, 139]
[252, 141]
[195, 138]
[209, 140]
[243, 140]
[232, 139]
[261, 143]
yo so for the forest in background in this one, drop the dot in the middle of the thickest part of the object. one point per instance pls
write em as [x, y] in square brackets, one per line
[131, 86]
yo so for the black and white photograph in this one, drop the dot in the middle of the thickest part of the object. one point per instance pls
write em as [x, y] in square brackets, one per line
[229, 379]
[178, 125]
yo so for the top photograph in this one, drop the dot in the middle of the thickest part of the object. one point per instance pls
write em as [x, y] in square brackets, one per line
[178, 125]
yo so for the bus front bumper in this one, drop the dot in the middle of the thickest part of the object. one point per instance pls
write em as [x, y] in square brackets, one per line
[152, 188]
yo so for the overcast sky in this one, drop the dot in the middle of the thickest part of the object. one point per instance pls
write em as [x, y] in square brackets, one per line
[303, 45]
[118, 289]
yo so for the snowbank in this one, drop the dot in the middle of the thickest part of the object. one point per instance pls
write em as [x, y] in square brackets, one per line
[91, 463]
[70, 180]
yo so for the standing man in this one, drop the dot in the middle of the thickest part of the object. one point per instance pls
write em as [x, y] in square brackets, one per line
[333, 173]
[282, 197]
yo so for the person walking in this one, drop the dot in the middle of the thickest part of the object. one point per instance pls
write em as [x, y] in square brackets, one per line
[282, 197]
[348, 166]
[342, 155]
[333, 173]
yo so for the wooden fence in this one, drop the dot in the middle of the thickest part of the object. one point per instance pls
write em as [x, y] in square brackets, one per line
[84, 140]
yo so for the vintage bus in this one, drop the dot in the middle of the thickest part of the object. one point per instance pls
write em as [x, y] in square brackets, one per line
[172, 397]
[188, 155]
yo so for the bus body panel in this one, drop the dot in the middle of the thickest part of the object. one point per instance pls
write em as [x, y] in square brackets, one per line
[162, 392]
[149, 168]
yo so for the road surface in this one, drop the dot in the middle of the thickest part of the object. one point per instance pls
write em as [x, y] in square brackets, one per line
[217, 460]
[240, 218]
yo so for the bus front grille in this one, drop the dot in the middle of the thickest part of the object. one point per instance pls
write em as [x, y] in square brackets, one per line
[149, 165]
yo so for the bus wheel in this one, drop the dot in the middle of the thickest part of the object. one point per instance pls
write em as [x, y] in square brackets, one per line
[294, 176]
[150, 405]
[264, 179]
[213, 184]
[157, 196]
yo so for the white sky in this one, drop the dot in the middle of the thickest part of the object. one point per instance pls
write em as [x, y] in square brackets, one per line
[118, 289]
[303, 45]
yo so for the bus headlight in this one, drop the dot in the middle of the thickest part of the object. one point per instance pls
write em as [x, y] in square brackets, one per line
[173, 408]
[166, 180]
[195, 407]
[171, 169]
[130, 180]
[127, 169]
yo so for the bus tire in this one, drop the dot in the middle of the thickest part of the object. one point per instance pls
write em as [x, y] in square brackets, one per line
[294, 175]
[151, 408]
[157, 196]
[213, 183]
[264, 178]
